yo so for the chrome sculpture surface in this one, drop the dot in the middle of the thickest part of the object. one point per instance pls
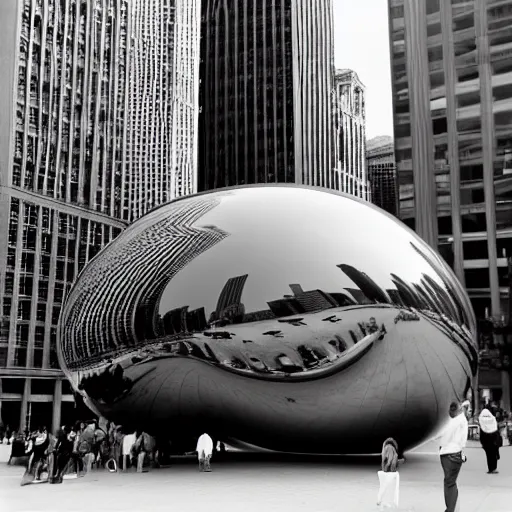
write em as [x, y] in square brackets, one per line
[286, 317]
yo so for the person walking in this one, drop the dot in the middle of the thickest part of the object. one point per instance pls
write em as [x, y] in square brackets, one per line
[204, 452]
[389, 478]
[61, 455]
[38, 444]
[490, 439]
[452, 441]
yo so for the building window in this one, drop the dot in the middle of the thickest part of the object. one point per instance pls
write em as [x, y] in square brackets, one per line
[26, 285]
[477, 277]
[463, 22]
[396, 12]
[41, 312]
[20, 357]
[3, 357]
[55, 315]
[439, 126]
[475, 250]
[38, 357]
[473, 222]
[444, 225]
[472, 172]
[432, 6]
[24, 309]
[6, 311]
[43, 290]
[9, 283]
[39, 336]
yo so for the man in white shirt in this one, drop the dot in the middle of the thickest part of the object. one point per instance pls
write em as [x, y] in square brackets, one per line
[452, 441]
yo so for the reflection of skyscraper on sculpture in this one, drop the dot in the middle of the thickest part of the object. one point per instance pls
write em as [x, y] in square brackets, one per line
[231, 293]
[395, 297]
[181, 320]
[229, 306]
[444, 297]
[132, 315]
[359, 296]
[453, 293]
[366, 284]
[408, 295]
[296, 289]
[302, 302]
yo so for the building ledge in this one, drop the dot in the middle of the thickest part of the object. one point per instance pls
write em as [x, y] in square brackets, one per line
[36, 373]
[484, 263]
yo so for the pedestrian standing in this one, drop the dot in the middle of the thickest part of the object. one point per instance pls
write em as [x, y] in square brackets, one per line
[144, 449]
[490, 439]
[128, 442]
[389, 478]
[204, 452]
[452, 441]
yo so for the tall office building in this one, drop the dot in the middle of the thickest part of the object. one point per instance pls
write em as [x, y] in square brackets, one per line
[162, 101]
[266, 80]
[452, 94]
[349, 130]
[381, 170]
[74, 101]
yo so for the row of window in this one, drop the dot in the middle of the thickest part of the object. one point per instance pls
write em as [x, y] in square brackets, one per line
[77, 241]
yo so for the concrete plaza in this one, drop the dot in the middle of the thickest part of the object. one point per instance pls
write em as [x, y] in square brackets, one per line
[255, 482]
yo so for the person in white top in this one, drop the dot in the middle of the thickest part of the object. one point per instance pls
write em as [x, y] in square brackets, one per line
[452, 441]
[490, 439]
[128, 442]
[204, 451]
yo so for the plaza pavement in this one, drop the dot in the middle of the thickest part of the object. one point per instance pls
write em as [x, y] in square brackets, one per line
[269, 482]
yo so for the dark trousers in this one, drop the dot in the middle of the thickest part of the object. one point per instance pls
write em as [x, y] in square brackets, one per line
[78, 463]
[491, 453]
[451, 464]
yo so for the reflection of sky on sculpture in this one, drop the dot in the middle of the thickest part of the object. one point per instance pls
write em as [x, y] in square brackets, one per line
[295, 246]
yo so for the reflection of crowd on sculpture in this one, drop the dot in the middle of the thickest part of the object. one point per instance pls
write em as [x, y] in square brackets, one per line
[108, 385]
[406, 316]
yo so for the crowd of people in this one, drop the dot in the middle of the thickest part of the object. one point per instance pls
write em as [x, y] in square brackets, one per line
[76, 450]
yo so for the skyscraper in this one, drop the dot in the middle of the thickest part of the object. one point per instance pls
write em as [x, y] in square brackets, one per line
[349, 127]
[265, 92]
[381, 169]
[162, 101]
[452, 94]
[89, 140]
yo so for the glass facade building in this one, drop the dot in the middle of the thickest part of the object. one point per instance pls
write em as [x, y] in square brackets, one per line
[381, 169]
[265, 93]
[75, 167]
[162, 102]
[452, 95]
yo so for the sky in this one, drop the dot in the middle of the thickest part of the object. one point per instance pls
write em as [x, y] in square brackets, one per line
[362, 44]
